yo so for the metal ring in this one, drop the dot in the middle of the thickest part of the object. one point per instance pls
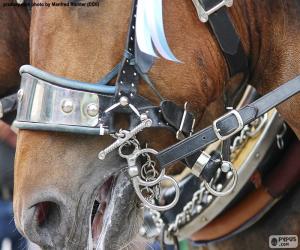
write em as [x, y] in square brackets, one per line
[228, 191]
[137, 185]
[161, 175]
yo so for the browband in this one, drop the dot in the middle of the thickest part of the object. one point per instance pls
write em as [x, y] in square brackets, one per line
[228, 124]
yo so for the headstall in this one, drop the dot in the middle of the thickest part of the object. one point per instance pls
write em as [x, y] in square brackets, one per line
[50, 103]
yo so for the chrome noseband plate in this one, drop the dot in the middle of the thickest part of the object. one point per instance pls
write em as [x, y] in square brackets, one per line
[49, 105]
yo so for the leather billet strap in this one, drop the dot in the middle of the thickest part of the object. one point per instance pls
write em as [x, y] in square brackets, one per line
[229, 124]
[227, 37]
[8, 104]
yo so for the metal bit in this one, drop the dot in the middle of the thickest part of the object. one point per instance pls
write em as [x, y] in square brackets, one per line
[125, 136]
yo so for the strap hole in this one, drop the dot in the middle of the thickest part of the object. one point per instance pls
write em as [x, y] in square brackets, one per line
[204, 138]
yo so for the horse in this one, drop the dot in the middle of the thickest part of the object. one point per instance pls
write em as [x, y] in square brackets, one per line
[14, 52]
[58, 176]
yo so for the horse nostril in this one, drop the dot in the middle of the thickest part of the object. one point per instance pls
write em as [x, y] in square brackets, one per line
[47, 214]
[42, 223]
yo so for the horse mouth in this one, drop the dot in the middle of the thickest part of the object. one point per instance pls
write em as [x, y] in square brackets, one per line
[100, 209]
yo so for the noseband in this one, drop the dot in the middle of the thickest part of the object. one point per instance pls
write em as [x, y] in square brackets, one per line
[51, 103]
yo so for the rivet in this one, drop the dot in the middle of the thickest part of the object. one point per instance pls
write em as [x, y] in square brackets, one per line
[219, 187]
[133, 27]
[209, 198]
[67, 106]
[257, 155]
[132, 84]
[92, 109]
[131, 38]
[134, 73]
[20, 94]
[131, 94]
[123, 71]
[121, 82]
[144, 117]
[225, 167]
[159, 111]
[124, 101]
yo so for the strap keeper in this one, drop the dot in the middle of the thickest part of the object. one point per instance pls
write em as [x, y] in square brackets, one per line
[204, 14]
[200, 164]
[179, 134]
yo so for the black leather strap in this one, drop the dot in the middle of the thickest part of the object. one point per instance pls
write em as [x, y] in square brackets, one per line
[228, 38]
[229, 124]
[8, 104]
[128, 78]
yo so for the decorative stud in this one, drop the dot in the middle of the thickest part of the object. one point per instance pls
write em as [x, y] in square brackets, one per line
[226, 166]
[92, 109]
[67, 106]
[124, 101]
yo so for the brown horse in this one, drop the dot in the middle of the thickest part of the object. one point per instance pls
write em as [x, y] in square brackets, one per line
[58, 176]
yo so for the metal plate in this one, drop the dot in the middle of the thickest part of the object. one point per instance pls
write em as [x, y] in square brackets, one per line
[42, 102]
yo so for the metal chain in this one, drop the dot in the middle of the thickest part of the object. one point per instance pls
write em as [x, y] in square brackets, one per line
[202, 198]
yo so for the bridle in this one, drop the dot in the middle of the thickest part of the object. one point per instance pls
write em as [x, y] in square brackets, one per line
[51, 103]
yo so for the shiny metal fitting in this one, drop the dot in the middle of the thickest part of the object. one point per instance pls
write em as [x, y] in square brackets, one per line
[20, 95]
[92, 109]
[124, 101]
[200, 164]
[1, 111]
[67, 106]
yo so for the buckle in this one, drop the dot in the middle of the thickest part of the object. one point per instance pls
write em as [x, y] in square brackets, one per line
[179, 134]
[204, 14]
[1, 110]
[239, 128]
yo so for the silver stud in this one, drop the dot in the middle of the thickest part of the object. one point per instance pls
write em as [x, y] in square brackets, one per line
[226, 166]
[20, 94]
[92, 109]
[134, 73]
[123, 71]
[142, 231]
[219, 187]
[124, 101]
[144, 117]
[67, 106]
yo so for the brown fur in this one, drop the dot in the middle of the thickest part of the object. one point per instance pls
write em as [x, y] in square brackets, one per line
[14, 45]
[85, 43]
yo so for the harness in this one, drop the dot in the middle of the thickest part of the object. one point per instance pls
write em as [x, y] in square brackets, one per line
[51, 103]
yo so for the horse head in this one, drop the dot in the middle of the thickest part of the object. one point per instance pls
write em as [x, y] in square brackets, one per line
[59, 178]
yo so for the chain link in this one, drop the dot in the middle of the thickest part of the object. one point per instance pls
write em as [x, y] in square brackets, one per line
[202, 198]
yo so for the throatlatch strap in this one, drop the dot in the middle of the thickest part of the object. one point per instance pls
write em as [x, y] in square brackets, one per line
[228, 124]
[228, 39]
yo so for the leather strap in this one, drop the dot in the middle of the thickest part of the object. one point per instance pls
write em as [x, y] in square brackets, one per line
[227, 37]
[229, 124]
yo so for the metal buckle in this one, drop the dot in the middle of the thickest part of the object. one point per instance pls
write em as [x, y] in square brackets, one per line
[1, 110]
[179, 134]
[239, 128]
[204, 14]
